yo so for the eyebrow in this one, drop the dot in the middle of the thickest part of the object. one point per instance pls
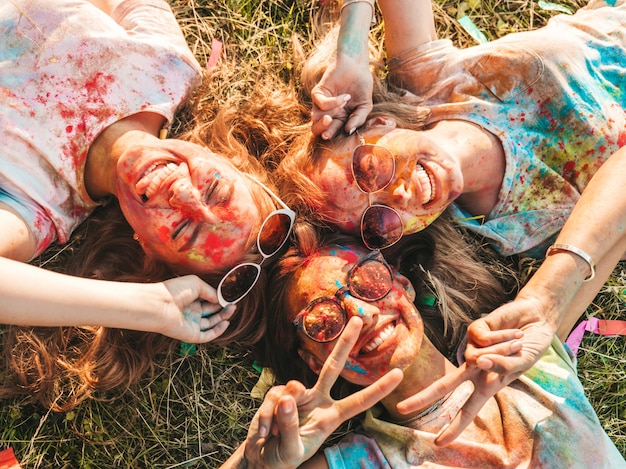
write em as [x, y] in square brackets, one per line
[192, 238]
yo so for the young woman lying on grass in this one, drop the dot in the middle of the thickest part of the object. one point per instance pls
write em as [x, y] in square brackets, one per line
[541, 419]
[88, 88]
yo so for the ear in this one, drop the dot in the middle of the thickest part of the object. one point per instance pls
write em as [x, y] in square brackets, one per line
[139, 240]
[146, 248]
[380, 121]
[310, 360]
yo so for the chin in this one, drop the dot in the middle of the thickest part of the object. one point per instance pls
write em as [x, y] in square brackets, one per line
[417, 224]
[407, 349]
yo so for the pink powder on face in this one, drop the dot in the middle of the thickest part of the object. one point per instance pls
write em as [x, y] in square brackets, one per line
[351, 256]
[215, 241]
[164, 233]
[351, 226]
[225, 213]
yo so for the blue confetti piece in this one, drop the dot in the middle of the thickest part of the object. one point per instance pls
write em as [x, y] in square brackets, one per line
[553, 7]
[470, 27]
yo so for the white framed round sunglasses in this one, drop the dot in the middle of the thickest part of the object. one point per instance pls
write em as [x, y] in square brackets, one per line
[272, 236]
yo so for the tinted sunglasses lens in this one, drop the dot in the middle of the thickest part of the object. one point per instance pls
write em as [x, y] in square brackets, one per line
[370, 280]
[373, 167]
[381, 227]
[238, 282]
[274, 233]
[324, 321]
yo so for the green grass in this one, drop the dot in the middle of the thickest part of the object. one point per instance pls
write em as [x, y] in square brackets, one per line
[192, 411]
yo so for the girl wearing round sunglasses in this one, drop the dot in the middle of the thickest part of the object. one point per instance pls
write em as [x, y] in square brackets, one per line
[82, 120]
[533, 422]
[507, 155]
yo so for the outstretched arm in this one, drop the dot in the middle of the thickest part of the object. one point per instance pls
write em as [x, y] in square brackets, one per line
[557, 294]
[293, 421]
[343, 98]
[551, 302]
[408, 24]
[184, 308]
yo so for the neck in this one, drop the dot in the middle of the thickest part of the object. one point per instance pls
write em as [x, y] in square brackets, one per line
[105, 151]
[481, 157]
[427, 367]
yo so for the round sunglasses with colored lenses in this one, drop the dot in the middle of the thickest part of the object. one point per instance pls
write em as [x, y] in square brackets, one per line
[373, 168]
[273, 234]
[325, 318]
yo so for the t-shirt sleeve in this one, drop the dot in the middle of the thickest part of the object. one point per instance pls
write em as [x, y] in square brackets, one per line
[416, 69]
[154, 20]
[355, 450]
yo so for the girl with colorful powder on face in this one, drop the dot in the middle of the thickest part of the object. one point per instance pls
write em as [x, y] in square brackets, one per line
[510, 152]
[543, 419]
[88, 88]
[508, 139]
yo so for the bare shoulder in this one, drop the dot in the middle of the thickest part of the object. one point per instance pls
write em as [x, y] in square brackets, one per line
[16, 239]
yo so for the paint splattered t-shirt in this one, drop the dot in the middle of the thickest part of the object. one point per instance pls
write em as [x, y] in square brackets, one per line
[541, 420]
[66, 73]
[555, 97]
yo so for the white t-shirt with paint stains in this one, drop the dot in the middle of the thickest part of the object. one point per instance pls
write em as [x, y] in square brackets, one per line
[67, 71]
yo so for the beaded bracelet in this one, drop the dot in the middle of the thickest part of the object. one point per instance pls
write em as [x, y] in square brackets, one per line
[579, 252]
[352, 2]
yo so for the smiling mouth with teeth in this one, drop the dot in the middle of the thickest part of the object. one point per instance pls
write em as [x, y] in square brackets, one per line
[379, 339]
[152, 179]
[426, 183]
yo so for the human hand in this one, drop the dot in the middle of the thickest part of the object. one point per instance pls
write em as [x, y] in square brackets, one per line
[501, 347]
[293, 421]
[342, 98]
[191, 312]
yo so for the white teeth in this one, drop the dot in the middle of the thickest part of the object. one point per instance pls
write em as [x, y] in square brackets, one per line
[426, 183]
[152, 179]
[379, 339]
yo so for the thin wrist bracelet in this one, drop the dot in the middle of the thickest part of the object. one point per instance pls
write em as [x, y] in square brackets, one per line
[579, 252]
[352, 2]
